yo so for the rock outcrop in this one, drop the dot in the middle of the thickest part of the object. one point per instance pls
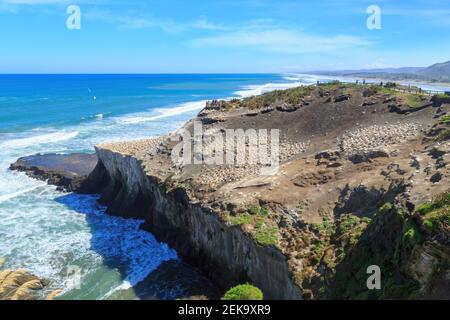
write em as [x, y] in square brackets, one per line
[20, 285]
[68, 172]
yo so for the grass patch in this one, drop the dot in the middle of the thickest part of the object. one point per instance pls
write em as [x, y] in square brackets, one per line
[445, 119]
[436, 214]
[266, 235]
[244, 292]
[264, 231]
[326, 228]
[414, 100]
[291, 96]
[411, 236]
[240, 219]
[348, 233]
[259, 211]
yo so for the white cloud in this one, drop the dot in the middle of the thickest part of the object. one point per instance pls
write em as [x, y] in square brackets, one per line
[203, 24]
[133, 21]
[378, 63]
[282, 40]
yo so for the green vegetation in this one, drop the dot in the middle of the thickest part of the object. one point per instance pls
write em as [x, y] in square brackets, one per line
[265, 234]
[414, 100]
[370, 91]
[387, 240]
[388, 206]
[292, 96]
[259, 211]
[390, 85]
[244, 218]
[351, 227]
[445, 119]
[334, 266]
[443, 135]
[436, 214]
[244, 292]
[331, 84]
[348, 233]
[411, 235]
[326, 228]
[441, 96]
[264, 231]
[403, 289]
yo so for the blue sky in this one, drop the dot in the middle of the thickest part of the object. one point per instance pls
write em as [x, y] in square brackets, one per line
[220, 35]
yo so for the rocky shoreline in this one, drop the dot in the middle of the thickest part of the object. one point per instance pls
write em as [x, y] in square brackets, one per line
[67, 172]
[354, 176]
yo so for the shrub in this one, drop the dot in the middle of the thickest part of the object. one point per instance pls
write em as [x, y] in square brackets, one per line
[414, 100]
[443, 135]
[445, 119]
[244, 292]
[388, 206]
[436, 214]
[264, 231]
[390, 85]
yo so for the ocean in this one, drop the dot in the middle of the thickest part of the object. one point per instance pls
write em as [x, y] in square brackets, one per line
[68, 238]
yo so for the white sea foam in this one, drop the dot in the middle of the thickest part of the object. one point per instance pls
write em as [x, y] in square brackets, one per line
[40, 139]
[254, 90]
[12, 195]
[165, 112]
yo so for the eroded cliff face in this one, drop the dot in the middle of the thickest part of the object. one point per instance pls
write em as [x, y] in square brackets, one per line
[226, 253]
[353, 172]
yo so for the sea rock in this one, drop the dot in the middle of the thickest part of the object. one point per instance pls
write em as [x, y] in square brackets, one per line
[68, 172]
[53, 295]
[20, 285]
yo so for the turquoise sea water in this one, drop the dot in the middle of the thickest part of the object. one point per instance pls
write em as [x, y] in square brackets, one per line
[63, 236]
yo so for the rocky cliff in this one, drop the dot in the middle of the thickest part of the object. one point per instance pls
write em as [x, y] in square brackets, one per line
[362, 181]
[226, 253]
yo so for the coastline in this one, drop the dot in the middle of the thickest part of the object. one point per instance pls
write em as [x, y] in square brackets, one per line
[55, 141]
[241, 229]
[196, 216]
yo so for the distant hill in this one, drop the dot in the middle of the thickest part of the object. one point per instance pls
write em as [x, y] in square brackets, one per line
[439, 72]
